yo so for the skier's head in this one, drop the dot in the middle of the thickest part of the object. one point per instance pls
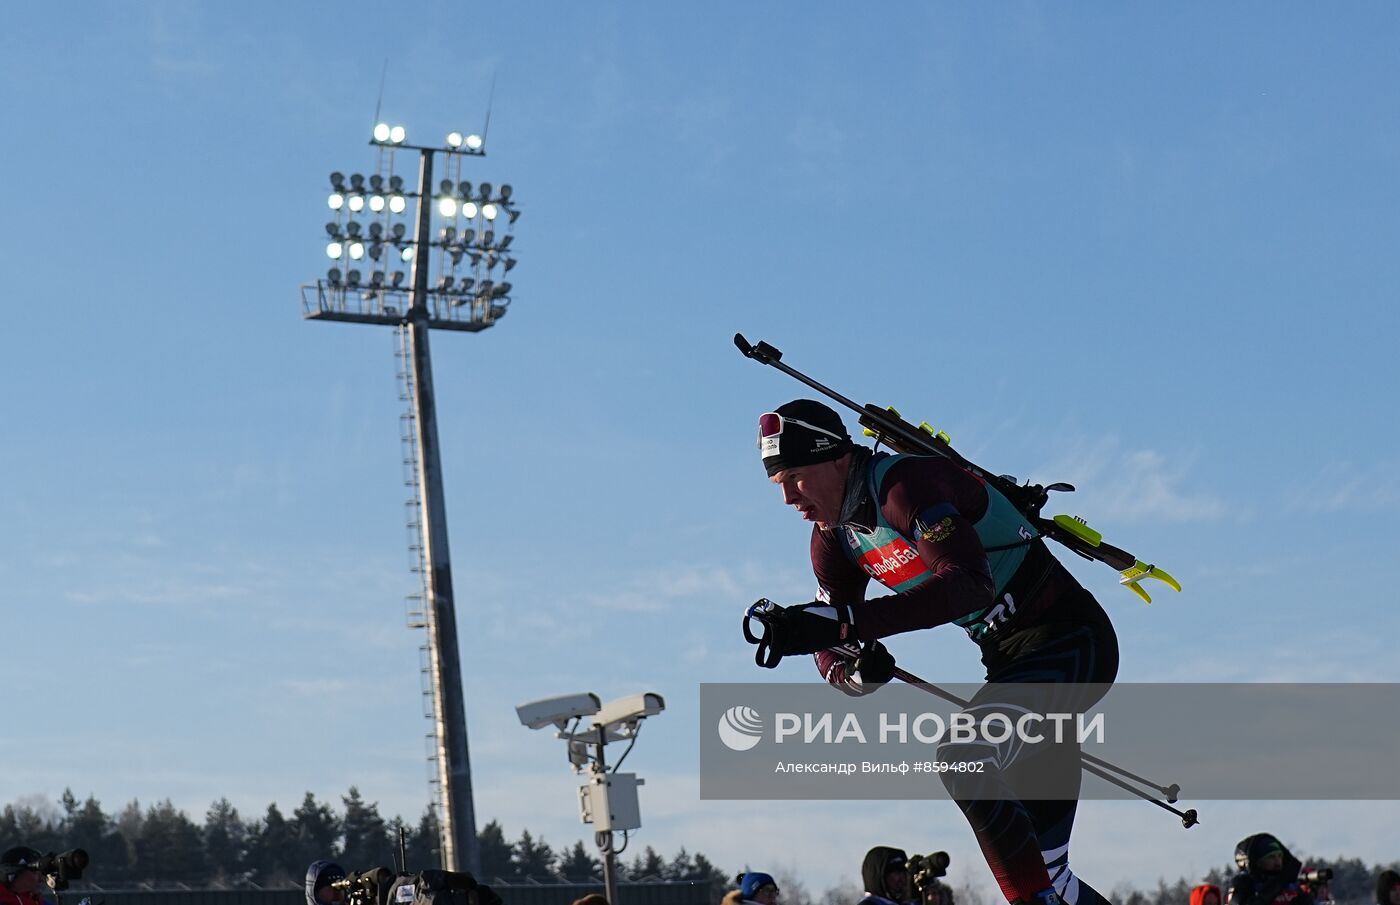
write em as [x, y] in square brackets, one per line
[319, 877]
[805, 447]
[885, 871]
[19, 868]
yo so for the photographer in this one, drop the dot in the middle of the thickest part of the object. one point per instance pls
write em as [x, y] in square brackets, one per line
[1268, 874]
[885, 872]
[924, 874]
[19, 876]
[1388, 888]
[321, 877]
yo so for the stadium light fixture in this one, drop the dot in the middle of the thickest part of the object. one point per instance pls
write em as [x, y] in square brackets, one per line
[430, 282]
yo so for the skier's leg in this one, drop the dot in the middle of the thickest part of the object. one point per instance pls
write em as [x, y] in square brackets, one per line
[1009, 830]
[1007, 838]
[1054, 821]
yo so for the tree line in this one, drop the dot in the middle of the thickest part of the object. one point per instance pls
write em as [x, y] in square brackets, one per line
[160, 845]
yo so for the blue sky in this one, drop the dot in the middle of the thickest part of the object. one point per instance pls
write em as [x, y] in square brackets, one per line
[1147, 251]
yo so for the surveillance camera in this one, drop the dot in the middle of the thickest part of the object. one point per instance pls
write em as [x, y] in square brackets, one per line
[623, 714]
[597, 735]
[557, 711]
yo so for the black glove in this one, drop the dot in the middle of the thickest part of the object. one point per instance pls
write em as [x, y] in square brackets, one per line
[803, 629]
[875, 665]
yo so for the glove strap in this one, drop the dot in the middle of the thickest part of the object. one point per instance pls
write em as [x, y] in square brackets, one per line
[767, 654]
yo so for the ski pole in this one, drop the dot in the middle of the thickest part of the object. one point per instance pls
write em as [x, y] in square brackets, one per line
[768, 656]
[1170, 792]
[1189, 818]
[1090, 763]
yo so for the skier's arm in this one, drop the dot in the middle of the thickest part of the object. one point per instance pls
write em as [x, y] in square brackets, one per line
[934, 504]
[838, 581]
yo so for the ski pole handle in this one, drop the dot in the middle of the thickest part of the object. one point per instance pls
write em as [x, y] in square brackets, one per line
[766, 656]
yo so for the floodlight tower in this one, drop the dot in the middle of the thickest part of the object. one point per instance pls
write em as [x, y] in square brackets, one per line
[449, 295]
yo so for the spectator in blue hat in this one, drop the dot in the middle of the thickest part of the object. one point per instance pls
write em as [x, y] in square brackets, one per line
[758, 887]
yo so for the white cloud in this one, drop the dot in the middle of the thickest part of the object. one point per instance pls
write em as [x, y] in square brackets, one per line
[1123, 484]
[659, 590]
[1346, 487]
[655, 591]
[171, 591]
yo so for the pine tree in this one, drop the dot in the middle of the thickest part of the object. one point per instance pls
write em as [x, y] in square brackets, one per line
[682, 867]
[367, 842]
[423, 843]
[85, 826]
[127, 831]
[495, 851]
[170, 847]
[315, 832]
[27, 820]
[578, 866]
[647, 866]
[225, 843]
[531, 858]
[270, 845]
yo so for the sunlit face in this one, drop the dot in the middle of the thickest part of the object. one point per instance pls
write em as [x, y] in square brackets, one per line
[816, 491]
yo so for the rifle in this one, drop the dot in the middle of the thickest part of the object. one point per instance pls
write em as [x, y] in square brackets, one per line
[886, 426]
